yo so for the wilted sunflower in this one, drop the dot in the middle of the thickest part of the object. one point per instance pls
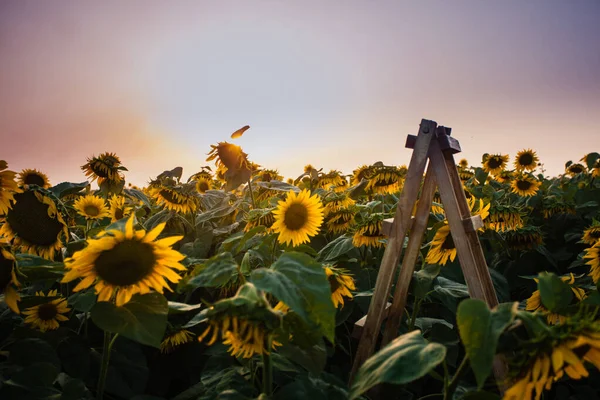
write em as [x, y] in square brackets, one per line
[593, 256]
[465, 174]
[8, 187]
[524, 238]
[259, 217]
[203, 184]
[525, 185]
[177, 198]
[228, 155]
[342, 186]
[534, 303]
[339, 221]
[118, 208]
[526, 160]
[436, 206]
[332, 178]
[91, 207]
[175, 339]
[442, 247]
[504, 218]
[333, 203]
[368, 233]
[105, 167]
[592, 234]
[46, 316]
[126, 263]
[8, 279]
[575, 169]
[495, 163]
[341, 284]
[268, 175]
[362, 172]
[384, 180]
[35, 224]
[298, 217]
[33, 177]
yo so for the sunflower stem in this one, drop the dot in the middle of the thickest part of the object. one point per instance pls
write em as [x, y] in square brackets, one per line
[108, 344]
[267, 368]
[454, 382]
[413, 317]
[251, 193]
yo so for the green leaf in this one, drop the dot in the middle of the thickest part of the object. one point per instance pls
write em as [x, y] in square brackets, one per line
[143, 319]
[423, 279]
[407, 358]
[200, 247]
[65, 188]
[30, 351]
[82, 301]
[138, 195]
[215, 272]
[35, 375]
[479, 330]
[300, 282]
[338, 247]
[556, 295]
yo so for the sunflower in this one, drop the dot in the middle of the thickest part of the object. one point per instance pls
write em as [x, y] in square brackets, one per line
[8, 279]
[593, 256]
[341, 284]
[436, 206]
[35, 224]
[268, 175]
[8, 187]
[205, 172]
[592, 234]
[203, 184]
[91, 207]
[534, 303]
[362, 172]
[333, 203]
[298, 217]
[525, 185]
[105, 167]
[175, 339]
[228, 155]
[33, 177]
[442, 247]
[504, 176]
[552, 205]
[526, 160]
[176, 198]
[339, 221]
[368, 233]
[575, 169]
[504, 218]
[463, 163]
[524, 238]
[495, 163]
[465, 174]
[126, 263]
[259, 217]
[46, 316]
[596, 169]
[384, 180]
[332, 178]
[342, 186]
[118, 209]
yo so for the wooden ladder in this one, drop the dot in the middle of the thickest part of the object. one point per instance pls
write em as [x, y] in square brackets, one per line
[435, 144]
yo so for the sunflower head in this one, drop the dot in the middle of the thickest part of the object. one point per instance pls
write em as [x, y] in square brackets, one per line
[495, 163]
[575, 169]
[181, 198]
[228, 155]
[368, 232]
[35, 224]
[33, 177]
[341, 284]
[268, 175]
[91, 207]
[332, 178]
[592, 256]
[123, 263]
[526, 160]
[534, 303]
[463, 163]
[105, 167]
[202, 184]
[336, 202]
[442, 248]
[8, 187]
[298, 217]
[525, 185]
[340, 221]
[8, 278]
[505, 176]
[362, 172]
[504, 218]
[384, 180]
[592, 234]
[259, 217]
[46, 316]
[118, 208]
[524, 238]
[175, 339]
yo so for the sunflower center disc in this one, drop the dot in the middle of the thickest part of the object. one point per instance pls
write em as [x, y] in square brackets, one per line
[295, 217]
[119, 214]
[448, 243]
[526, 159]
[29, 219]
[523, 185]
[576, 169]
[333, 283]
[495, 162]
[6, 267]
[91, 210]
[126, 264]
[169, 196]
[34, 179]
[202, 187]
[47, 311]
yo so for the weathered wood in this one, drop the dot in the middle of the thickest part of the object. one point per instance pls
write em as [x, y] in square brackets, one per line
[388, 224]
[472, 224]
[359, 325]
[446, 142]
[391, 255]
[411, 254]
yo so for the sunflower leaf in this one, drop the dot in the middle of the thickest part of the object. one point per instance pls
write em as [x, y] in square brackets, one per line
[556, 295]
[336, 248]
[215, 272]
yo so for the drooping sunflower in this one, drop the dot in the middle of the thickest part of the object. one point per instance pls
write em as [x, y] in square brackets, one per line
[339, 221]
[46, 316]
[575, 169]
[495, 163]
[35, 224]
[8, 187]
[504, 176]
[175, 339]
[524, 238]
[341, 284]
[369, 232]
[385, 180]
[442, 247]
[228, 155]
[268, 175]
[333, 203]
[465, 174]
[436, 206]
[203, 184]
[33, 177]
[504, 218]
[525, 185]
[463, 163]
[126, 263]
[332, 178]
[526, 160]
[118, 208]
[596, 169]
[259, 217]
[105, 167]
[534, 303]
[592, 234]
[362, 172]
[8, 278]
[592, 254]
[91, 207]
[298, 217]
[342, 186]
[176, 198]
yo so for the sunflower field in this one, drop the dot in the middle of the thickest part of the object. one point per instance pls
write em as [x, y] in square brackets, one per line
[237, 283]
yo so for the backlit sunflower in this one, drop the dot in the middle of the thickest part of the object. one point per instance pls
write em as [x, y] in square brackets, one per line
[46, 316]
[105, 167]
[175, 339]
[8, 278]
[203, 184]
[339, 221]
[368, 233]
[118, 208]
[333, 203]
[592, 254]
[91, 207]
[126, 263]
[596, 169]
[33, 177]
[525, 185]
[35, 224]
[524, 238]
[526, 160]
[575, 169]
[362, 172]
[176, 198]
[259, 217]
[268, 175]
[228, 155]
[463, 163]
[442, 247]
[8, 187]
[332, 178]
[534, 303]
[298, 217]
[504, 218]
[592, 234]
[495, 163]
[341, 284]
[384, 180]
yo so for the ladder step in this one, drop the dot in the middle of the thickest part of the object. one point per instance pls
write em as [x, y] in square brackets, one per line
[471, 224]
[358, 325]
